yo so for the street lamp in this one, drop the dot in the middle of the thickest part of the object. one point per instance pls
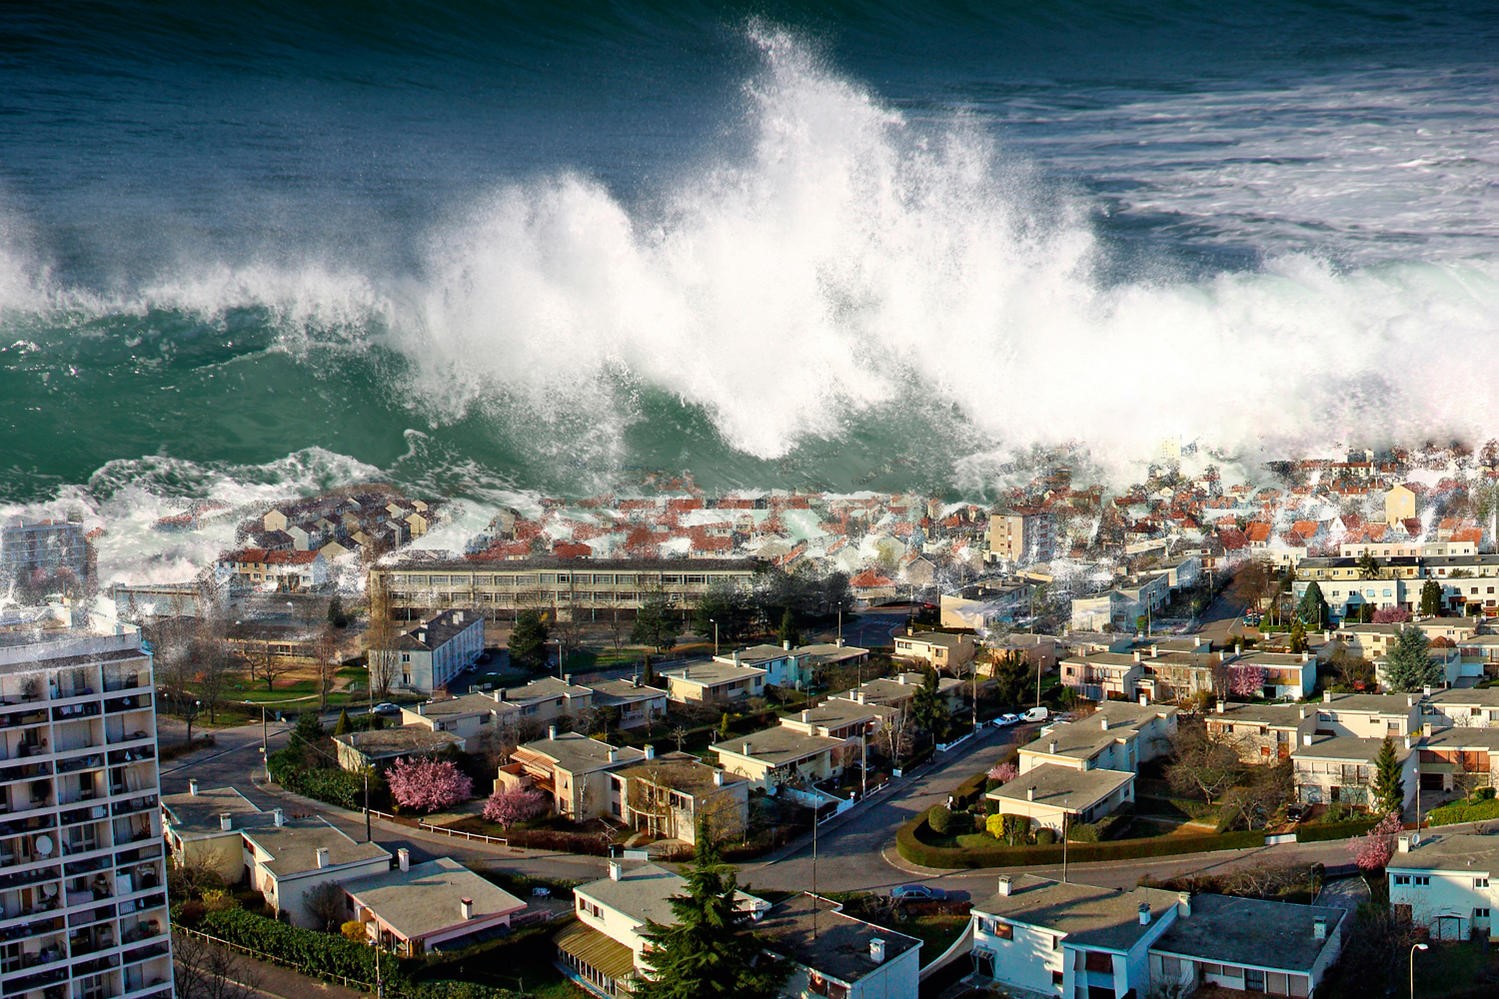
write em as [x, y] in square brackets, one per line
[714, 621]
[1414, 948]
[559, 657]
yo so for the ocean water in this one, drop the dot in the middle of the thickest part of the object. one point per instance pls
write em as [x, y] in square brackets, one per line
[491, 248]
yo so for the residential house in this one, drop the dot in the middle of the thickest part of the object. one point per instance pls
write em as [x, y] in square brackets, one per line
[898, 691]
[1340, 768]
[546, 699]
[1060, 797]
[1046, 938]
[1458, 759]
[1445, 661]
[429, 655]
[665, 796]
[1368, 716]
[1441, 882]
[781, 755]
[605, 949]
[290, 860]
[783, 666]
[1118, 736]
[1101, 676]
[286, 571]
[1289, 675]
[819, 655]
[635, 704]
[467, 717]
[573, 770]
[871, 586]
[1461, 707]
[943, 651]
[1249, 945]
[713, 683]
[202, 828]
[1262, 733]
[836, 955]
[428, 908]
[374, 747]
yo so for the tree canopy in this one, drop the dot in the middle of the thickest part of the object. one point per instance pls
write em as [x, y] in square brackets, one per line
[728, 605]
[1409, 666]
[1431, 597]
[1389, 784]
[654, 624]
[1312, 610]
[709, 950]
[928, 709]
[528, 640]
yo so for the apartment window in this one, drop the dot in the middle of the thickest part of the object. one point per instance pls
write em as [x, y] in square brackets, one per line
[1254, 980]
[1420, 880]
[1001, 929]
[1402, 880]
[1480, 882]
[1481, 913]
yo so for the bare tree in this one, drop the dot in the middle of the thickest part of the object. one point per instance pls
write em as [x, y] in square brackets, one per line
[215, 667]
[325, 652]
[380, 639]
[202, 970]
[679, 735]
[325, 903]
[263, 664]
[1203, 762]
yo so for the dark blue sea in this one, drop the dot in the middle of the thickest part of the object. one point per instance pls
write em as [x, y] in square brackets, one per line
[483, 248]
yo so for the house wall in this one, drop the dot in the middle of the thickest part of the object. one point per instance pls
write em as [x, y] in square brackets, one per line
[1316, 778]
[222, 854]
[1026, 960]
[1450, 893]
[614, 924]
[898, 978]
[289, 894]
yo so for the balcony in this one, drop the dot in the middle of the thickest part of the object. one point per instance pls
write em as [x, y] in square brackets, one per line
[123, 681]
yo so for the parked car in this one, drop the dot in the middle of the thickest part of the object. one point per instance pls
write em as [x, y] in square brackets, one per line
[1035, 714]
[387, 708]
[1005, 721]
[917, 893]
[1295, 813]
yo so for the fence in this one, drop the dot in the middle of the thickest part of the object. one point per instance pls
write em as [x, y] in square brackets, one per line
[429, 827]
[348, 983]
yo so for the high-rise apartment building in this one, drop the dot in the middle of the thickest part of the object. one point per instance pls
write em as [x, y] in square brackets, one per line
[55, 550]
[83, 902]
[1022, 537]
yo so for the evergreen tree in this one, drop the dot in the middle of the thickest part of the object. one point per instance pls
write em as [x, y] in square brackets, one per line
[928, 709]
[1312, 610]
[1409, 667]
[1298, 636]
[1431, 597]
[528, 640]
[788, 631]
[1389, 785]
[305, 739]
[723, 728]
[344, 724]
[710, 949]
[654, 625]
[728, 607]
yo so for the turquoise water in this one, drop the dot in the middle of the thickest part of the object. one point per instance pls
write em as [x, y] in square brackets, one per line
[480, 247]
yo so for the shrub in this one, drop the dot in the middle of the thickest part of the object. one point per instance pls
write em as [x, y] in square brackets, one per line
[959, 824]
[1046, 836]
[1083, 832]
[1323, 831]
[939, 817]
[1464, 811]
[970, 791]
[1484, 794]
[354, 930]
[994, 825]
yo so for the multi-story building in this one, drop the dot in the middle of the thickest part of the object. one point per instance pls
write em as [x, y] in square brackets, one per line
[1022, 537]
[573, 589]
[1441, 882]
[428, 656]
[83, 906]
[55, 549]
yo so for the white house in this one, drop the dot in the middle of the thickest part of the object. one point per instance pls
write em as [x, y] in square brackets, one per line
[1248, 945]
[431, 654]
[290, 860]
[1442, 883]
[837, 955]
[427, 908]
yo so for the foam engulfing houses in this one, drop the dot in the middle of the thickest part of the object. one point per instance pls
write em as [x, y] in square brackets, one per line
[1441, 882]
[427, 908]
[429, 655]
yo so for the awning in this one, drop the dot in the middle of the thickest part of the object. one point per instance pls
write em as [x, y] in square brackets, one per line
[604, 955]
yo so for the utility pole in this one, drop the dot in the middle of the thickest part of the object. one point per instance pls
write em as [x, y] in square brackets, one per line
[369, 837]
[264, 745]
[1065, 802]
[714, 621]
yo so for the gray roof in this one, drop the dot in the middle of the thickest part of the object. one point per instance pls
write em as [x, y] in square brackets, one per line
[381, 742]
[643, 893]
[577, 753]
[1450, 851]
[1373, 704]
[1087, 916]
[1464, 738]
[755, 654]
[1487, 697]
[1086, 736]
[426, 899]
[887, 690]
[458, 707]
[439, 630]
[778, 745]
[680, 772]
[711, 673]
[611, 692]
[1347, 748]
[1063, 787]
[1273, 715]
[544, 688]
[1250, 931]
[836, 712]
[829, 652]
[293, 847]
[837, 945]
[945, 639]
[199, 813]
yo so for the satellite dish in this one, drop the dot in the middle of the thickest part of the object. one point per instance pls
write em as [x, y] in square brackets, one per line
[44, 846]
[49, 890]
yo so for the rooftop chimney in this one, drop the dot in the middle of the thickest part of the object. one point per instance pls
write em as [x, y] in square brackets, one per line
[1319, 928]
[1326, 635]
[551, 731]
[1426, 690]
[1183, 904]
[1004, 884]
[499, 694]
[1410, 700]
[403, 859]
[226, 821]
[1220, 705]
[718, 778]
[650, 751]
[322, 857]
[567, 678]
[1407, 742]
[1137, 655]
[1154, 650]
[421, 636]
[1196, 641]
[192, 787]
[1306, 738]
[785, 645]
[1305, 655]
[421, 709]
[1052, 746]
[901, 679]
[613, 755]
[1144, 699]
[806, 716]
[746, 747]
[877, 950]
[466, 907]
[1030, 793]
[279, 816]
[1238, 648]
[1103, 722]
[1326, 697]
[1403, 844]
[616, 869]
[1144, 911]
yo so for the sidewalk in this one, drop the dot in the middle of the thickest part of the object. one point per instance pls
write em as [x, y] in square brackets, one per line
[283, 983]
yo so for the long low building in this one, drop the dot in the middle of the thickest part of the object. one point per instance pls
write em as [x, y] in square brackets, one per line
[582, 589]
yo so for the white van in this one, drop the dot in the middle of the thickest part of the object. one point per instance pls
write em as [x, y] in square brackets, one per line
[1034, 714]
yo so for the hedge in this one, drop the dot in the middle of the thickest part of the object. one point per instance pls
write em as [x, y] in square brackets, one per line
[1464, 811]
[1320, 832]
[334, 786]
[909, 839]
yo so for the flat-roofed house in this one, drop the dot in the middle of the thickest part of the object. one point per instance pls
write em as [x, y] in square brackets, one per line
[468, 716]
[780, 754]
[1099, 676]
[1262, 733]
[1047, 938]
[357, 750]
[1291, 675]
[835, 954]
[1462, 707]
[943, 651]
[1118, 736]
[1368, 716]
[1446, 883]
[713, 683]
[547, 698]
[783, 665]
[288, 862]
[427, 908]
[666, 795]
[1248, 945]
[1059, 797]
[637, 704]
[573, 770]
[202, 828]
[1341, 768]
[1458, 759]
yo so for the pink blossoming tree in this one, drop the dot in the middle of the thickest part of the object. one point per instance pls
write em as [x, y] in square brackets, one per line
[1374, 851]
[508, 806]
[1246, 681]
[1003, 772]
[427, 785]
[1391, 615]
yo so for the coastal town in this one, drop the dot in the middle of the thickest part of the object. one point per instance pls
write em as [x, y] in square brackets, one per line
[1196, 734]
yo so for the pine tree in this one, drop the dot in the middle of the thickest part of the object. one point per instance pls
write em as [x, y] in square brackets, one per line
[1431, 597]
[528, 640]
[1298, 636]
[1312, 610]
[1389, 785]
[927, 708]
[1409, 667]
[709, 950]
[654, 625]
[344, 723]
[788, 632]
